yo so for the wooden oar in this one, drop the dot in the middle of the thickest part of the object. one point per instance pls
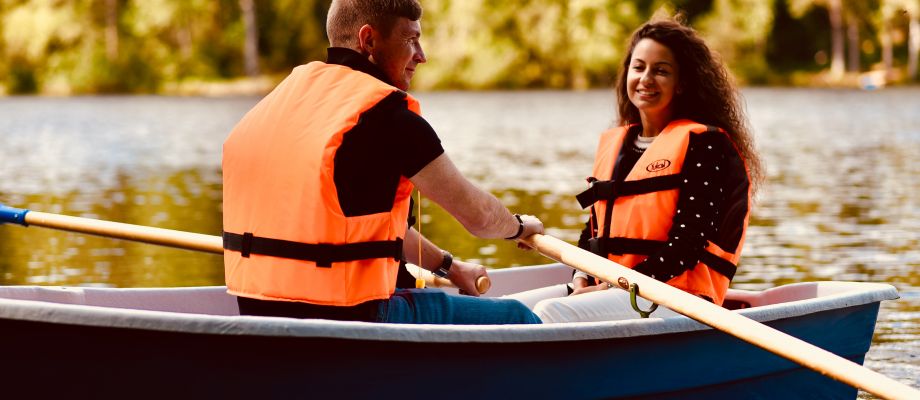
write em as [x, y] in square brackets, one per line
[751, 331]
[159, 236]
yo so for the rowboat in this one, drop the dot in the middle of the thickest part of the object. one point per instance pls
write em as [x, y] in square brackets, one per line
[191, 342]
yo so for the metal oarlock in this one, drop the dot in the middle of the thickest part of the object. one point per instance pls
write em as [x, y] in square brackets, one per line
[633, 293]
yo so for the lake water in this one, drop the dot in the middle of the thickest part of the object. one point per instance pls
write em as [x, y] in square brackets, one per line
[841, 202]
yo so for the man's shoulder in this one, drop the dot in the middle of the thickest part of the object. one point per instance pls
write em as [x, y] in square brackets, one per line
[394, 109]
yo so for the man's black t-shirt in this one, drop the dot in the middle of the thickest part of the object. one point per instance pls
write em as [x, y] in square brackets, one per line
[389, 142]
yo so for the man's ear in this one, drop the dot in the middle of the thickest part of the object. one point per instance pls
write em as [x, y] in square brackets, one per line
[366, 39]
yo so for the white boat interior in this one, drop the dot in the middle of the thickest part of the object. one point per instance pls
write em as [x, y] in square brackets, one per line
[212, 310]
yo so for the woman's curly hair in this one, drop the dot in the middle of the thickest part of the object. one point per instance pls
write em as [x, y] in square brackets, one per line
[708, 93]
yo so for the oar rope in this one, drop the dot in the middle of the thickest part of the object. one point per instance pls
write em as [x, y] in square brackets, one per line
[158, 236]
[419, 282]
[735, 324]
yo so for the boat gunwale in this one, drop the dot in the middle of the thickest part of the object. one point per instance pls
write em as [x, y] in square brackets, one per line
[124, 318]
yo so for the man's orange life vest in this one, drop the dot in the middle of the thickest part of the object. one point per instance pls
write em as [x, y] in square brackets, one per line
[285, 234]
[644, 206]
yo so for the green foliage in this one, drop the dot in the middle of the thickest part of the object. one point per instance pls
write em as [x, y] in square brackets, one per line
[532, 43]
[786, 51]
[303, 37]
[147, 46]
[737, 30]
[21, 77]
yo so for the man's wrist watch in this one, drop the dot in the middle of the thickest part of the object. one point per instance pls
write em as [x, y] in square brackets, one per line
[520, 228]
[446, 262]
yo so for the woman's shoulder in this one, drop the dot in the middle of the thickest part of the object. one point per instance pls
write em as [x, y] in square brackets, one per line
[712, 139]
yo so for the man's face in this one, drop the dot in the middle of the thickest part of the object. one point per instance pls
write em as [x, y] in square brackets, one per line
[399, 53]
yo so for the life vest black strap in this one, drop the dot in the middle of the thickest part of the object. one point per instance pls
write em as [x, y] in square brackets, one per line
[610, 190]
[603, 246]
[323, 254]
[719, 264]
[619, 245]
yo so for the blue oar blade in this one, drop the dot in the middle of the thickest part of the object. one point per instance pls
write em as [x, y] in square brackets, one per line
[13, 215]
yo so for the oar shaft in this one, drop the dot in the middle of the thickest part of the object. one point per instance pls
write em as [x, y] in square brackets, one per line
[758, 334]
[137, 233]
[158, 236]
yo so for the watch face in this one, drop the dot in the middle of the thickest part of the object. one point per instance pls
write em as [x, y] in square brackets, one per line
[446, 262]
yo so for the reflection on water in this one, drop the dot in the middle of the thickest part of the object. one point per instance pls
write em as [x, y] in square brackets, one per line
[184, 200]
[841, 201]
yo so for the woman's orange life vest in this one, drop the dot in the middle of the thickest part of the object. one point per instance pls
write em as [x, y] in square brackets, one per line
[644, 206]
[285, 234]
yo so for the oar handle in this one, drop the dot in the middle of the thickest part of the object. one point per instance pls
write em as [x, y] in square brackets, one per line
[146, 234]
[483, 283]
[735, 324]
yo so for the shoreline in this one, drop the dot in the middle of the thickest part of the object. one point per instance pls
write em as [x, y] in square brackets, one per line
[263, 84]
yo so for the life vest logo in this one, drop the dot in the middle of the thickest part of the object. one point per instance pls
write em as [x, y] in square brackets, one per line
[658, 165]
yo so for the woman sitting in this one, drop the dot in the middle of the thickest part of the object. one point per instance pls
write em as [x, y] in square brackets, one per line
[670, 194]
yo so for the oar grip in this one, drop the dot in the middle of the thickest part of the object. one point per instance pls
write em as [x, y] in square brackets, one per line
[13, 215]
[483, 284]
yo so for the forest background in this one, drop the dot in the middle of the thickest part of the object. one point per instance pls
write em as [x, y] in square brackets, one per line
[214, 47]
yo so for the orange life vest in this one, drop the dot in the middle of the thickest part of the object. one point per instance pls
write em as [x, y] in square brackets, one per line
[285, 234]
[644, 206]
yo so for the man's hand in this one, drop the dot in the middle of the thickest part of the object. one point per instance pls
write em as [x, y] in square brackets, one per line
[532, 225]
[464, 276]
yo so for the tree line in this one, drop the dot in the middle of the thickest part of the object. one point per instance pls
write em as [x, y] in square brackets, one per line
[156, 46]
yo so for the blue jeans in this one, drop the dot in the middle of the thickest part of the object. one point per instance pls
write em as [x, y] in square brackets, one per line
[433, 306]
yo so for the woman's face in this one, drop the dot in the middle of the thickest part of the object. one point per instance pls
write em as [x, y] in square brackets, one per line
[652, 80]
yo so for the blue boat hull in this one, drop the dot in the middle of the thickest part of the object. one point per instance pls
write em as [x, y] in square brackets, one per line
[42, 359]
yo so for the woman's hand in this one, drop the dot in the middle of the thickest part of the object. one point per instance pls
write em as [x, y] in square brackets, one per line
[589, 289]
[464, 275]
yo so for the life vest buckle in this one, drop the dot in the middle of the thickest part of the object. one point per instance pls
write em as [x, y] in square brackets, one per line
[597, 190]
[246, 244]
[594, 246]
[398, 256]
[323, 262]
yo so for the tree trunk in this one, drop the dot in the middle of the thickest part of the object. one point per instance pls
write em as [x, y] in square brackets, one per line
[914, 46]
[184, 39]
[853, 43]
[887, 51]
[111, 30]
[836, 17]
[251, 43]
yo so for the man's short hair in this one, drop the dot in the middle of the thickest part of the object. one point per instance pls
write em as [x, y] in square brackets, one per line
[346, 17]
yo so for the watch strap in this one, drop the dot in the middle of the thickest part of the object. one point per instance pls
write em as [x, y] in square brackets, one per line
[444, 267]
[520, 228]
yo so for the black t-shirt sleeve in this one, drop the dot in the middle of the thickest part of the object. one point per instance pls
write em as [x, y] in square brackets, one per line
[415, 140]
[389, 142]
